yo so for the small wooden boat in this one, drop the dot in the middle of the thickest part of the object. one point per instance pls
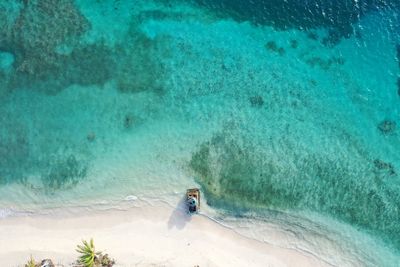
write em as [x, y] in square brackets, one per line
[193, 200]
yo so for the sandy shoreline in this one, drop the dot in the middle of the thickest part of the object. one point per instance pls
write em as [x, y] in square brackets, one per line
[150, 236]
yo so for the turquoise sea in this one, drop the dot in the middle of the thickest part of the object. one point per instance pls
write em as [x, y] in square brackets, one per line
[283, 112]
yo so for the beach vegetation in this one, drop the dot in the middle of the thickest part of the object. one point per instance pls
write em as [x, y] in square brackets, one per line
[44, 263]
[88, 253]
[31, 262]
[91, 258]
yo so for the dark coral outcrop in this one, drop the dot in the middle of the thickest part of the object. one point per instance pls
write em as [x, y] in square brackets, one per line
[35, 38]
[256, 101]
[273, 47]
[41, 26]
[387, 126]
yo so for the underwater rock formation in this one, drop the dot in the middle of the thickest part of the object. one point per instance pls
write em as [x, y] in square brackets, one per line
[272, 46]
[387, 126]
[324, 64]
[64, 172]
[256, 101]
[313, 82]
[14, 150]
[294, 44]
[384, 166]
[41, 26]
[140, 69]
[91, 64]
[336, 34]
[234, 173]
[128, 121]
[44, 40]
[312, 35]
[91, 137]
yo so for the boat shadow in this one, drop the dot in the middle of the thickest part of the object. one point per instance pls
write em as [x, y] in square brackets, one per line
[179, 217]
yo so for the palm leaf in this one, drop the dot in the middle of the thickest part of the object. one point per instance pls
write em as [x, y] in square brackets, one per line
[88, 253]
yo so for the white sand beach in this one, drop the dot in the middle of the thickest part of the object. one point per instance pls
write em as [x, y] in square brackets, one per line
[150, 236]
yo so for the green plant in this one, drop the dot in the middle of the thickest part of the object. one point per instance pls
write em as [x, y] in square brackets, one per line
[90, 257]
[31, 263]
[88, 253]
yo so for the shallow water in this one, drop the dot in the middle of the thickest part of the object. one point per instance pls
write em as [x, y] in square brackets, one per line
[289, 108]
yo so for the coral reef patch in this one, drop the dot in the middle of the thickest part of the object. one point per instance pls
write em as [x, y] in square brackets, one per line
[335, 35]
[139, 70]
[272, 46]
[384, 166]
[33, 38]
[64, 172]
[45, 41]
[256, 101]
[312, 35]
[324, 64]
[294, 44]
[387, 126]
[229, 173]
[14, 145]
[45, 47]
